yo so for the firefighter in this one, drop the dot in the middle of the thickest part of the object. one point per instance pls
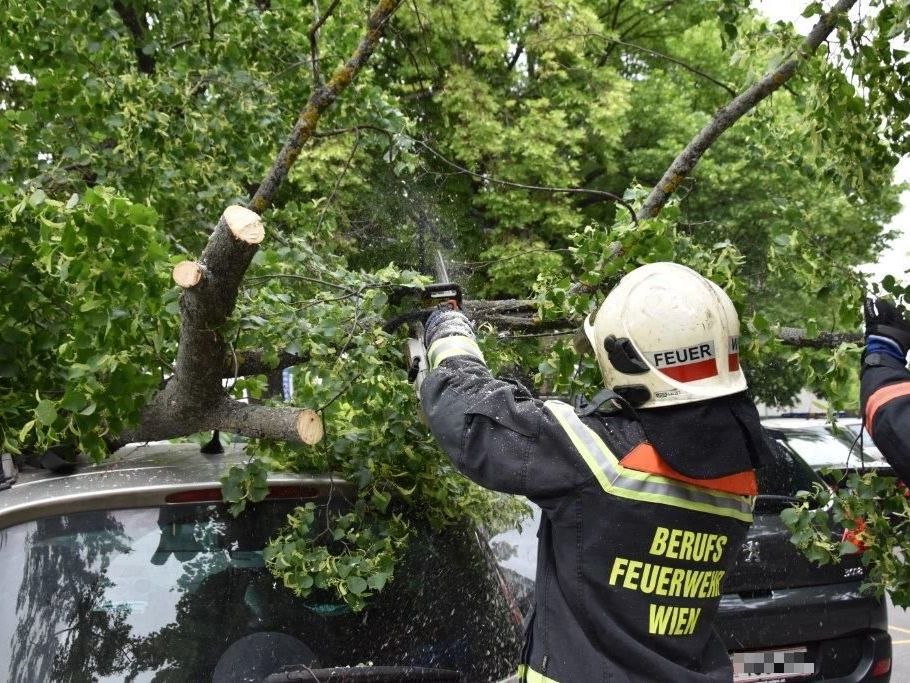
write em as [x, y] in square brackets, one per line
[646, 492]
[885, 383]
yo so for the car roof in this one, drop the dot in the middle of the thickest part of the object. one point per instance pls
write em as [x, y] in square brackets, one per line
[801, 422]
[136, 476]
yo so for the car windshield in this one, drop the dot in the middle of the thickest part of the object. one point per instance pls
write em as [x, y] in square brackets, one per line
[168, 593]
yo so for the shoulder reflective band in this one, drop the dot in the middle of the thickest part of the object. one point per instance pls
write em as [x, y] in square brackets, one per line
[651, 488]
[449, 347]
[526, 673]
[644, 458]
[880, 397]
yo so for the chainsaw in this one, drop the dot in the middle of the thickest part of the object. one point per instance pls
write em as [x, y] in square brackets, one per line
[421, 302]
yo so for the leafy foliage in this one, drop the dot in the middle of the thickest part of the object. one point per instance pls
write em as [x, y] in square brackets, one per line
[363, 564]
[875, 513]
[87, 306]
[156, 125]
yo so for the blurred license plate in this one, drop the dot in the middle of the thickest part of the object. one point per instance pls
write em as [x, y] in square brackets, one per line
[771, 665]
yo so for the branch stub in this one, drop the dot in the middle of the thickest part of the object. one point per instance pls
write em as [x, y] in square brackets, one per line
[244, 224]
[188, 274]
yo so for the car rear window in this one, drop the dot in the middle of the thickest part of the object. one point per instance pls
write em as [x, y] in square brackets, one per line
[164, 592]
[819, 447]
[779, 482]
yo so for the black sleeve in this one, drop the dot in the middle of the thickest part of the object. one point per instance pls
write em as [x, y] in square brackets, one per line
[497, 434]
[885, 395]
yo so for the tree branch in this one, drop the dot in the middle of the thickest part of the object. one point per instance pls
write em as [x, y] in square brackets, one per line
[602, 194]
[509, 315]
[669, 58]
[194, 399]
[320, 100]
[534, 188]
[736, 109]
[795, 336]
[211, 16]
[643, 16]
[252, 362]
[313, 34]
[513, 60]
[133, 20]
[331, 198]
[268, 422]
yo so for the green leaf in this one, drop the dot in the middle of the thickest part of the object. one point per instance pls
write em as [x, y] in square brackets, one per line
[37, 198]
[847, 548]
[26, 428]
[790, 516]
[812, 9]
[356, 584]
[377, 581]
[90, 305]
[46, 412]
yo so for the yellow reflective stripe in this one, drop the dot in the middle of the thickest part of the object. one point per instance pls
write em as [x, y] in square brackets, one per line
[526, 673]
[637, 474]
[449, 347]
[632, 484]
[680, 503]
[601, 461]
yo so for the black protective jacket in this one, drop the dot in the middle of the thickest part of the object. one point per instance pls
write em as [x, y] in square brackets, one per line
[885, 393]
[630, 561]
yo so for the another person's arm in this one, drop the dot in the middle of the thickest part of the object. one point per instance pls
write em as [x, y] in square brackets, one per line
[885, 383]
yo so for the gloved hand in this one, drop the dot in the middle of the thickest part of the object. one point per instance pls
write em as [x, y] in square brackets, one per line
[886, 330]
[446, 321]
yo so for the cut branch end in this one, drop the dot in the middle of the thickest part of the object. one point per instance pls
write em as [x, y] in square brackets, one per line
[244, 224]
[309, 427]
[188, 274]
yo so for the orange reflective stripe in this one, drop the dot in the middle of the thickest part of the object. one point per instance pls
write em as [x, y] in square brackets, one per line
[645, 458]
[880, 397]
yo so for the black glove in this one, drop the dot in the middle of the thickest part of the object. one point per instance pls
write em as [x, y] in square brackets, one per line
[884, 320]
[446, 321]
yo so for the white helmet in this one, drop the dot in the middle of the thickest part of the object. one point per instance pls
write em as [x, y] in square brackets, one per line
[666, 335]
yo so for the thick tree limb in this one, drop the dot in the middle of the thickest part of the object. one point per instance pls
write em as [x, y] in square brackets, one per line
[520, 315]
[134, 19]
[479, 308]
[321, 99]
[267, 422]
[735, 110]
[184, 405]
[194, 399]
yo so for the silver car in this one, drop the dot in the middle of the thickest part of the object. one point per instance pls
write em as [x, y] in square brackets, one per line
[135, 570]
